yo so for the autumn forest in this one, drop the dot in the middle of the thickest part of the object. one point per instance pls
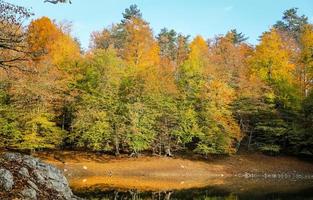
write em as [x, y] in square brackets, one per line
[139, 91]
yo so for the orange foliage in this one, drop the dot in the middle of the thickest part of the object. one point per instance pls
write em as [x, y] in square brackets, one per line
[140, 49]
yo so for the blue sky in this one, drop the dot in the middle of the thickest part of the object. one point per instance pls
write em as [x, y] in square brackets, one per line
[205, 17]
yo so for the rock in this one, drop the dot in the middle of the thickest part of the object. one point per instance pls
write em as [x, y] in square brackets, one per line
[6, 180]
[32, 185]
[30, 161]
[24, 172]
[36, 179]
[16, 157]
[29, 194]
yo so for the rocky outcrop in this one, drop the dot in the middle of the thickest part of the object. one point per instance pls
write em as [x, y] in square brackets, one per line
[26, 177]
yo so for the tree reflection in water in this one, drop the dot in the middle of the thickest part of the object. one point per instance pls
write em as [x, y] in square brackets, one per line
[210, 193]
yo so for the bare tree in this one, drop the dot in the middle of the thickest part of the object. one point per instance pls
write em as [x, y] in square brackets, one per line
[57, 1]
[12, 35]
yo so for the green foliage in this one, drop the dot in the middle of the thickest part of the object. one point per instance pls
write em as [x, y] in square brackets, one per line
[131, 12]
[237, 37]
[166, 127]
[305, 141]
[9, 130]
[96, 118]
[206, 119]
[133, 92]
[167, 40]
[10, 133]
[270, 149]
[291, 22]
[140, 131]
[188, 127]
[287, 96]
[139, 114]
[40, 132]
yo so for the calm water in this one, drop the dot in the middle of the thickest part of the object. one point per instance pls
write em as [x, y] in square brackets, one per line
[234, 189]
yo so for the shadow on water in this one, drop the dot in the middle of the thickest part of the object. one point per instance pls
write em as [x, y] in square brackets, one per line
[232, 189]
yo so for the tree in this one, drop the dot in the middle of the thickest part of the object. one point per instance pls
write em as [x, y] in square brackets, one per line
[305, 141]
[271, 63]
[98, 85]
[55, 54]
[182, 48]
[167, 40]
[211, 127]
[130, 13]
[305, 69]
[42, 34]
[291, 22]
[41, 132]
[237, 38]
[292, 29]
[58, 1]
[13, 53]
[162, 92]
[166, 139]
[10, 132]
[139, 111]
[274, 122]
[230, 59]
[140, 47]
[191, 73]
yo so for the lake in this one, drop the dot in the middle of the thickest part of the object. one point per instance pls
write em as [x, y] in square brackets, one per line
[247, 177]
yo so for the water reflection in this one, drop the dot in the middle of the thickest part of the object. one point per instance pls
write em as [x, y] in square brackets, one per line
[235, 190]
[203, 194]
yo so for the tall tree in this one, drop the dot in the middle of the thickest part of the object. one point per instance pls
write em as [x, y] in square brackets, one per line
[99, 115]
[167, 40]
[42, 33]
[237, 37]
[291, 23]
[271, 59]
[140, 47]
[205, 101]
[182, 48]
[13, 52]
[305, 69]
[132, 12]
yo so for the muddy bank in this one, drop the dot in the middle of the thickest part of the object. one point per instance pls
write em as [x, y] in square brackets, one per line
[160, 173]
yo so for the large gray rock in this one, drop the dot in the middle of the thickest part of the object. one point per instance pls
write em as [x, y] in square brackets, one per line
[36, 179]
[6, 180]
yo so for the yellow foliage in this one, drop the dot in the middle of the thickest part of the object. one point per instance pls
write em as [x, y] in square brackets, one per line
[64, 50]
[198, 49]
[42, 33]
[141, 49]
[48, 42]
[271, 59]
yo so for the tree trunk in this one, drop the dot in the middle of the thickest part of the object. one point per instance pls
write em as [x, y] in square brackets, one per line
[117, 146]
[250, 139]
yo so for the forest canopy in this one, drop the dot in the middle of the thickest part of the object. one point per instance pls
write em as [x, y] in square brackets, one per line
[135, 91]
